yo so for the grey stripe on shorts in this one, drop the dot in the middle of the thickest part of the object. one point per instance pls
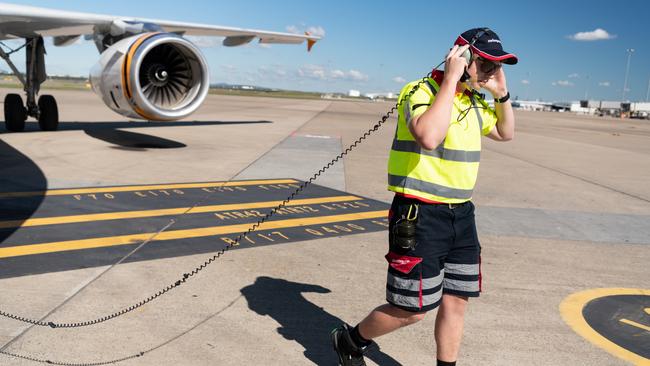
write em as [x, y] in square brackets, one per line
[414, 285]
[458, 285]
[462, 269]
[413, 301]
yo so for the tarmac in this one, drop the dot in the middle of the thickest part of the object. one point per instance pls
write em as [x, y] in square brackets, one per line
[106, 212]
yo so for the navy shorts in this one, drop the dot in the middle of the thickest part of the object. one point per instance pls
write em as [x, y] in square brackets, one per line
[446, 258]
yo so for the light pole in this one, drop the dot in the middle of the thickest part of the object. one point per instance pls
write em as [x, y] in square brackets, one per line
[627, 70]
[647, 94]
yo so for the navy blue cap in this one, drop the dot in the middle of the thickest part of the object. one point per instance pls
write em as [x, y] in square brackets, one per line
[487, 45]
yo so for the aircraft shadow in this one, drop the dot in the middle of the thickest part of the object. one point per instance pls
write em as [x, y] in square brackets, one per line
[129, 140]
[19, 173]
[133, 140]
[301, 320]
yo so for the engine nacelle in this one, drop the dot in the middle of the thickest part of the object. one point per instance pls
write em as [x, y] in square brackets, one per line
[152, 76]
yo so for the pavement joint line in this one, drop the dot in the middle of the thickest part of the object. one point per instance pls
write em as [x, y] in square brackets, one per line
[73, 191]
[284, 139]
[157, 347]
[121, 215]
[570, 175]
[13, 340]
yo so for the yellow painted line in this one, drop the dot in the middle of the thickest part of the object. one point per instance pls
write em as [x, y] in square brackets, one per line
[63, 192]
[635, 324]
[179, 234]
[71, 219]
[571, 310]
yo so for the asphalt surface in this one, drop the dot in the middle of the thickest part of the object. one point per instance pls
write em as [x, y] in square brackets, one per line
[92, 222]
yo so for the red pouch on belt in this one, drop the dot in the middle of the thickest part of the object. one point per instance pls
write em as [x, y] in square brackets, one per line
[402, 263]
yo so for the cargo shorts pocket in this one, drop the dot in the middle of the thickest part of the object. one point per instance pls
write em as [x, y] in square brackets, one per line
[404, 281]
[413, 283]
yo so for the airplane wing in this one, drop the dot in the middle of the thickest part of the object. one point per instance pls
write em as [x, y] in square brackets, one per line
[19, 21]
[147, 69]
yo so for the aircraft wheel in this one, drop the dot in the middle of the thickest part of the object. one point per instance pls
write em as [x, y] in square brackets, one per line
[48, 118]
[15, 113]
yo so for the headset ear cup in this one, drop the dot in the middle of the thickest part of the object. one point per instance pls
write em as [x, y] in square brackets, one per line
[467, 55]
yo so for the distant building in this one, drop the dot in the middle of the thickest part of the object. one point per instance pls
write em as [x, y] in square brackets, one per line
[640, 110]
[354, 93]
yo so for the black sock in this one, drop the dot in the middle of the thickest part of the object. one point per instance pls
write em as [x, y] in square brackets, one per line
[445, 363]
[358, 339]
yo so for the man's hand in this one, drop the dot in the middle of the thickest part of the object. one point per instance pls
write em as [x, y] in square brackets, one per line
[455, 64]
[496, 85]
[505, 127]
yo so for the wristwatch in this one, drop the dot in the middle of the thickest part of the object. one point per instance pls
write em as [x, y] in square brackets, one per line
[502, 99]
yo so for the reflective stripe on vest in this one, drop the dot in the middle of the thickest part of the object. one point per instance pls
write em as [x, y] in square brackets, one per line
[438, 152]
[422, 186]
[446, 173]
[480, 119]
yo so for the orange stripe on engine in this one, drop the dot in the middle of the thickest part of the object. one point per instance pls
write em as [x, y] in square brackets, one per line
[126, 72]
[143, 114]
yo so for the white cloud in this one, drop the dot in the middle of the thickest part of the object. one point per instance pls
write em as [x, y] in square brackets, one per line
[562, 83]
[525, 82]
[312, 72]
[337, 74]
[274, 72]
[318, 72]
[399, 79]
[596, 35]
[229, 68]
[604, 83]
[573, 76]
[292, 29]
[357, 75]
[314, 31]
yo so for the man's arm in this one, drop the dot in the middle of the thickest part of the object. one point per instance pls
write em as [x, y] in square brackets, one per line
[504, 130]
[430, 128]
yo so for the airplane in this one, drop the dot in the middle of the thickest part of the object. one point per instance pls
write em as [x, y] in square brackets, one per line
[146, 69]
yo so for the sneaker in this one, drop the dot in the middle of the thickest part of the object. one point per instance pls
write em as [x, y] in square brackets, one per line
[349, 353]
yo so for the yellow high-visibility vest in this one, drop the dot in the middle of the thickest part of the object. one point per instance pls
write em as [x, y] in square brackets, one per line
[447, 173]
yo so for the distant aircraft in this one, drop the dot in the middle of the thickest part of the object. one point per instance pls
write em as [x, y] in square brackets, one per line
[146, 70]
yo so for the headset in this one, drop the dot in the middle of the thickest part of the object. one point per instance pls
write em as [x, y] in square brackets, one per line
[468, 52]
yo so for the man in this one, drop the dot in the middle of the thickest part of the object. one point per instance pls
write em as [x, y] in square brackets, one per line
[434, 257]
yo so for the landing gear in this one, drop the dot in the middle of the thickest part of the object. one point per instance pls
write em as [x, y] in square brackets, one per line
[46, 111]
[15, 113]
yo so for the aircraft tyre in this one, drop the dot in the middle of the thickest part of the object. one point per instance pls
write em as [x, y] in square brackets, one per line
[15, 113]
[48, 118]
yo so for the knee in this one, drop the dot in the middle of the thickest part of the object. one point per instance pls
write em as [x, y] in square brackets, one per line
[453, 304]
[408, 317]
[414, 318]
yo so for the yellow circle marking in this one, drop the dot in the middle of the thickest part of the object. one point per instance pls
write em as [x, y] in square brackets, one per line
[571, 310]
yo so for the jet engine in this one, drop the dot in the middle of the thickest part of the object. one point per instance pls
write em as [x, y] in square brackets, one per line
[152, 76]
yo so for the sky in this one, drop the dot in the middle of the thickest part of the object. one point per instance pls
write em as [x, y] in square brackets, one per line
[567, 50]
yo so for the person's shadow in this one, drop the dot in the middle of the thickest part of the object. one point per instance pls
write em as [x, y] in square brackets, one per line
[301, 320]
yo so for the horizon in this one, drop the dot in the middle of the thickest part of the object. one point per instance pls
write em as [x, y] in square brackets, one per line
[379, 52]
